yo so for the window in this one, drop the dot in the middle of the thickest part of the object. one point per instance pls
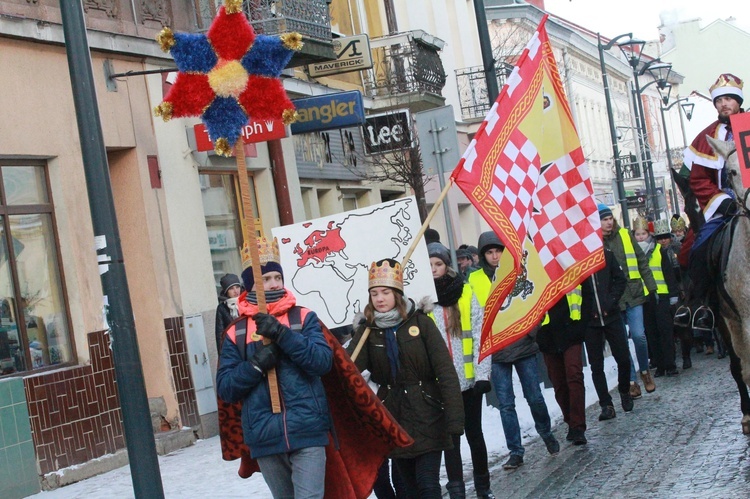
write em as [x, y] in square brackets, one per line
[222, 204]
[34, 326]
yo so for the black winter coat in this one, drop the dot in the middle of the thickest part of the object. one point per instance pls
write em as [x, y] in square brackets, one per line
[223, 320]
[562, 332]
[602, 292]
[425, 398]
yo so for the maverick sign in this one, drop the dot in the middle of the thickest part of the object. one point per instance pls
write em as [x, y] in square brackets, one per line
[387, 132]
[352, 54]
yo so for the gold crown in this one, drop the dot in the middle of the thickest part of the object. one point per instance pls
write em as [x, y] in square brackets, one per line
[678, 224]
[726, 84]
[640, 223]
[268, 251]
[385, 275]
[661, 227]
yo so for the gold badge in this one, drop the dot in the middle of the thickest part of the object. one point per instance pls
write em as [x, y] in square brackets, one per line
[414, 331]
[256, 337]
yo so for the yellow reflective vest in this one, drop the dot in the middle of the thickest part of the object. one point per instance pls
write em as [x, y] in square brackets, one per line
[481, 285]
[575, 300]
[655, 264]
[467, 338]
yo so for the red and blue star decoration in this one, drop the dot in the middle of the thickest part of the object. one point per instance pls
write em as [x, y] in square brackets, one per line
[228, 75]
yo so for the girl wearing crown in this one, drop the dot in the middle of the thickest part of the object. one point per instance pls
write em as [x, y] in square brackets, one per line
[405, 354]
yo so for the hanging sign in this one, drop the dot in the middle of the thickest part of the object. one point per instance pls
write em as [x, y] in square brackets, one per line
[254, 131]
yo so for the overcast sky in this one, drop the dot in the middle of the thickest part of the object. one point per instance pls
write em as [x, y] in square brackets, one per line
[643, 17]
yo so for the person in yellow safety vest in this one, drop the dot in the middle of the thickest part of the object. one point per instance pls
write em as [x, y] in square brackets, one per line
[657, 315]
[561, 341]
[521, 355]
[458, 316]
[640, 284]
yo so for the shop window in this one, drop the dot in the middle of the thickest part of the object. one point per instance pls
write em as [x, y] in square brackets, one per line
[34, 326]
[222, 209]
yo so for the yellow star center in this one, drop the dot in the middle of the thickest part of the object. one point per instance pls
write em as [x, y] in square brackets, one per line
[228, 79]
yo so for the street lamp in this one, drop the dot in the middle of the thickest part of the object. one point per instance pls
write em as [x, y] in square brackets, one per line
[612, 129]
[687, 107]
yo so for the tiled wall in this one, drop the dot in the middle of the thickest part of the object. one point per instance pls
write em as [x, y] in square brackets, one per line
[178, 357]
[18, 474]
[75, 413]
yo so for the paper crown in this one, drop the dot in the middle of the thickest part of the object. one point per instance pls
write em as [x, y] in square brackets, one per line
[388, 274]
[640, 223]
[268, 251]
[726, 84]
[661, 227]
[678, 224]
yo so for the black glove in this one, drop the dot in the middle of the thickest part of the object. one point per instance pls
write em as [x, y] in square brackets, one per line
[482, 386]
[727, 207]
[654, 296]
[268, 326]
[265, 357]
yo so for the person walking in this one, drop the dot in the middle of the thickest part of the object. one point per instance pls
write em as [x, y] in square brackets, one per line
[635, 265]
[561, 341]
[406, 356]
[289, 445]
[601, 295]
[521, 355]
[458, 316]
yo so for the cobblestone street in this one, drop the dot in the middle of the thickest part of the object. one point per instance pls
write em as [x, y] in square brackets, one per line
[683, 440]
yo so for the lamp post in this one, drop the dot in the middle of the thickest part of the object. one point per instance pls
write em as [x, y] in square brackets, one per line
[683, 107]
[612, 129]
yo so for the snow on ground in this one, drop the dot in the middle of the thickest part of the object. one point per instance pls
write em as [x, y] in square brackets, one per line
[199, 471]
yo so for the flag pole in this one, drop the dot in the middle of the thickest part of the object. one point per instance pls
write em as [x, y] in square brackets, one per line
[407, 257]
[248, 232]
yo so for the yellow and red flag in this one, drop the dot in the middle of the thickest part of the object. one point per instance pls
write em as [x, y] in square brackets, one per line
[526, 174]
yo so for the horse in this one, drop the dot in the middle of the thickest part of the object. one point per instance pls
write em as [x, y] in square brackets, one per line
[730, 249]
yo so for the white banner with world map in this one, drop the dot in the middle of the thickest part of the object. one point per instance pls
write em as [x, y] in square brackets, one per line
[326, 260]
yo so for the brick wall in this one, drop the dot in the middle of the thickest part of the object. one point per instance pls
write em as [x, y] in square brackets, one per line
[178, 358]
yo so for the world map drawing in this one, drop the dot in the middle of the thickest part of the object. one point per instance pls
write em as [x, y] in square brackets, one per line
[326, 260]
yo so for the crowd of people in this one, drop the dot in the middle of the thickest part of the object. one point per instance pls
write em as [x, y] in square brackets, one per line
[422, 358]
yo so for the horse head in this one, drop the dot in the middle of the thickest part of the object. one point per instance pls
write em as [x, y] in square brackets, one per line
[727, 150]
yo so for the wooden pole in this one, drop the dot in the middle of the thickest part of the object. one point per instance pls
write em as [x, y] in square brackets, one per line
[252, 241]
[407, 257]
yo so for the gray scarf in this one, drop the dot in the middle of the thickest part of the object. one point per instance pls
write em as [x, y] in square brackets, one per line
[392, 318]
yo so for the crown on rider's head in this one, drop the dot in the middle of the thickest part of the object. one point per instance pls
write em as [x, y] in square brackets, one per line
[727, 84]
[386, 273]
[640, 223]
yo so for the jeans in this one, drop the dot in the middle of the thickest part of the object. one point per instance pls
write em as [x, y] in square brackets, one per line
[475, 437]
[295, 475]
[660, 332]
[421, 475]
[614, 333]
[633, 317]
[528, 373]
[566, 373]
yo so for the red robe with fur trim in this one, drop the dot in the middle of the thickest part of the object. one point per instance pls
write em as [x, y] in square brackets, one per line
[705, 168]
[363, 429]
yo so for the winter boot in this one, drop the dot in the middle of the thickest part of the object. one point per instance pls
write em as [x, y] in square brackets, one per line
[482, 486]
[456, 489]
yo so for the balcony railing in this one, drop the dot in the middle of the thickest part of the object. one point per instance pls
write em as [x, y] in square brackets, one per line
[310, 18]
[472, 89]
[405, 63]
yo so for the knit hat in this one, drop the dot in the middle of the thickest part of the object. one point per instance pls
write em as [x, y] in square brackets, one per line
[270, 261]
[473, 250]
[661, 229]
[386, 273]
[727, 84]
[437, 250]
[604, 211]
[639, 223]
[431, 236]
[227, 281]
[462, 253]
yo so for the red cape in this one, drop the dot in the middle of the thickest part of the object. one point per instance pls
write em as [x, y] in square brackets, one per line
[363, 429]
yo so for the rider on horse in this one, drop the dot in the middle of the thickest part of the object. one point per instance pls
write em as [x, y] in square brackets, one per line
[708, 181]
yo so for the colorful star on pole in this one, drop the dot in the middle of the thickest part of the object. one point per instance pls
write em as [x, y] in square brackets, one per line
[228, 75]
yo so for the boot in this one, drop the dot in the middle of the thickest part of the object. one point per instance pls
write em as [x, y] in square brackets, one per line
[686, 363]
[482, 486]
[627, 401]
[456, 489]
[648, 381]
[635, 390]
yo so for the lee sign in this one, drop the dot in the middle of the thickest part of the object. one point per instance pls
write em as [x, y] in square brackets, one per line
[352, 54]
[387, 132]
[326, 112]
[254, 131]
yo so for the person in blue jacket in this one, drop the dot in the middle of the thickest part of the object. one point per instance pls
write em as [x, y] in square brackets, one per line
[290, 445]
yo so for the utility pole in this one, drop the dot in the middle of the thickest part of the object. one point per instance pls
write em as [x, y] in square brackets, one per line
[488, 59]
[139, 436]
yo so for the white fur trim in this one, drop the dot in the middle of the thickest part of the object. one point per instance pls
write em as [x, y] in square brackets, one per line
[711, 208]
[718, 92]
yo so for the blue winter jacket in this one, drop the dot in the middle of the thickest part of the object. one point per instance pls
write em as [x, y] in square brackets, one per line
[304, 420]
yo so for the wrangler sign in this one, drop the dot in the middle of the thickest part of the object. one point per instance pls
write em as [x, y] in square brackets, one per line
[352, 54]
